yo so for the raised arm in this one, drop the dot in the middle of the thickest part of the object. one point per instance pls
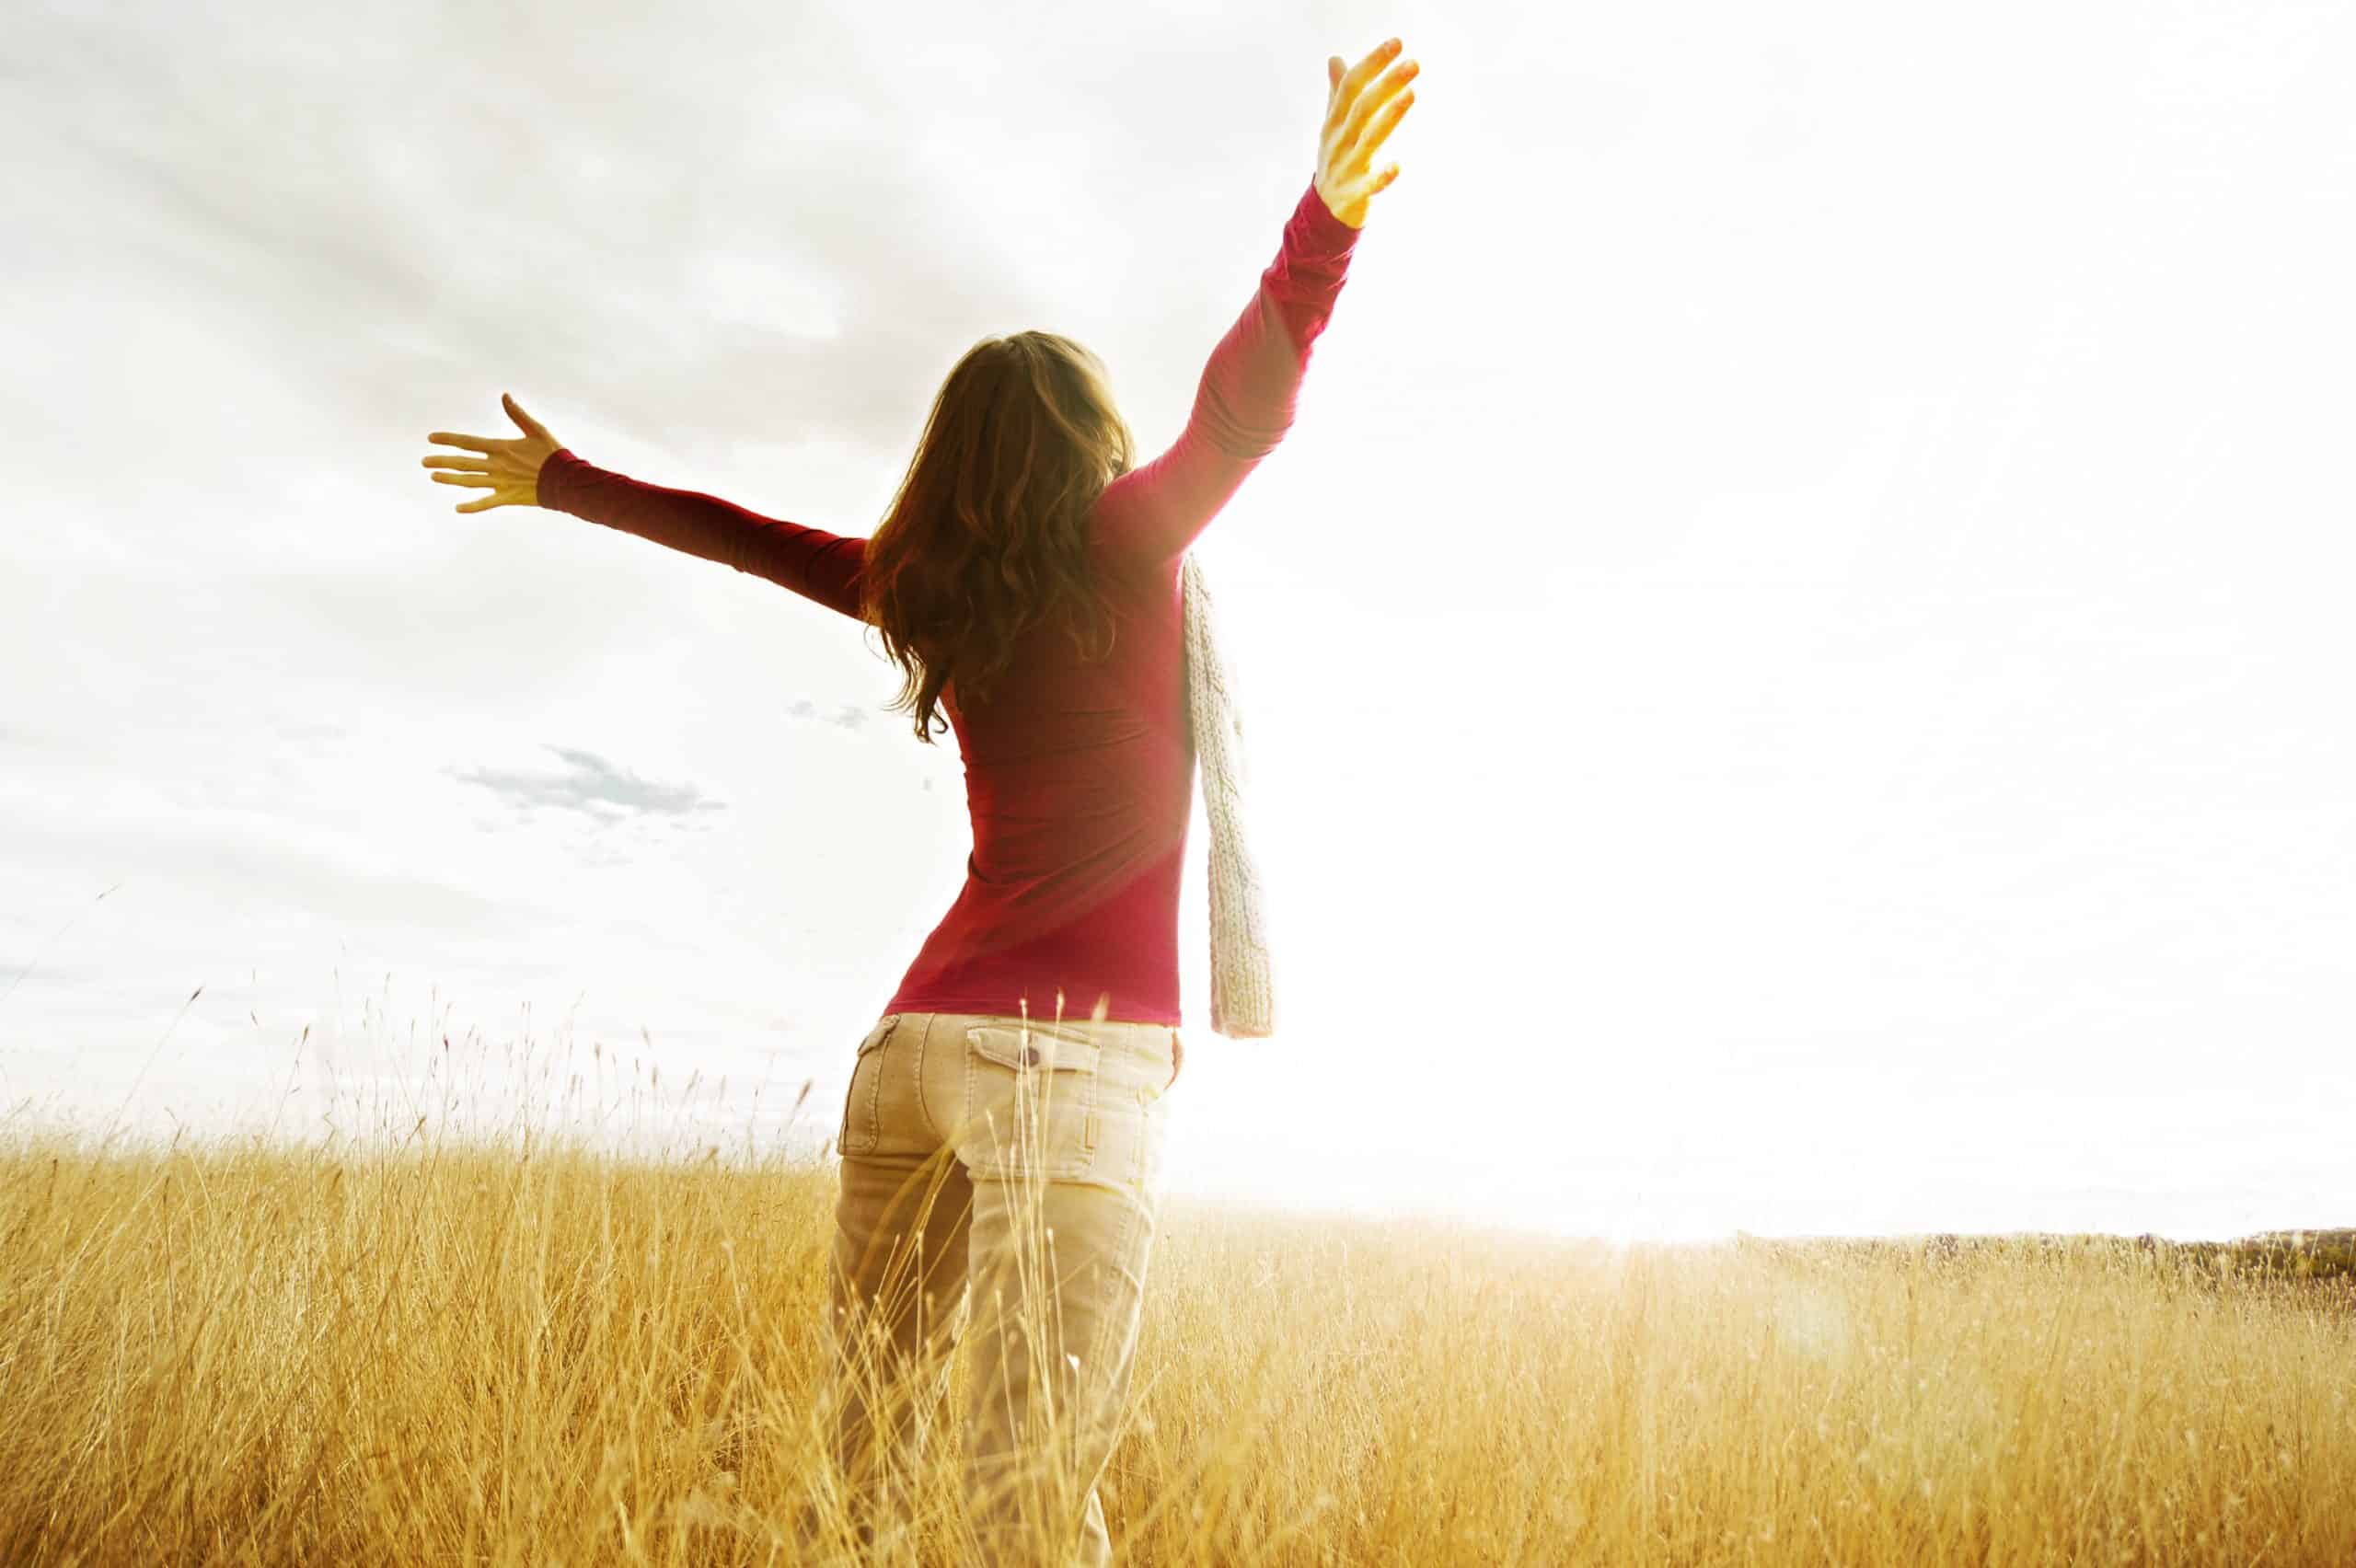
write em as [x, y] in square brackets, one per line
[813, 562]
[1245, 401]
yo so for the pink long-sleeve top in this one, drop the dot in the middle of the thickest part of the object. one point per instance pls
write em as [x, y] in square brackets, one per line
[1079, 777]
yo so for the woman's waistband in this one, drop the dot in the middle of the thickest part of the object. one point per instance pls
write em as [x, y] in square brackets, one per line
[1111, 1031]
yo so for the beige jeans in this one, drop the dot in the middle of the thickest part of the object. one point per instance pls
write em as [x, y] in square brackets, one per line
[1000, 1182]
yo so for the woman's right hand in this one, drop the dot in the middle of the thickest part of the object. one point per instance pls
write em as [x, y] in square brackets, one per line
[1359, 113]
[509, 466]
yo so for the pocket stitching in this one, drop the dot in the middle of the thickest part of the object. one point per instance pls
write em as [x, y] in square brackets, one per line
[924, 1109]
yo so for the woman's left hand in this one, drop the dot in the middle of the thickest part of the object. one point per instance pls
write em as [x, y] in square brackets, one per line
[509, 466]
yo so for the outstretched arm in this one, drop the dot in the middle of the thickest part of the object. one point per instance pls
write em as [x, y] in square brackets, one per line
[1245, 401]
[536, 469]
[813, 562]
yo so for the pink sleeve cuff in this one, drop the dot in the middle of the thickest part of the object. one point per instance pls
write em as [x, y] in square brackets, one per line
[554, 469]
[1322, 233]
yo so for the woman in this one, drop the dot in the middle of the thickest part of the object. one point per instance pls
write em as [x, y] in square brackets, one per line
[1002, 1166]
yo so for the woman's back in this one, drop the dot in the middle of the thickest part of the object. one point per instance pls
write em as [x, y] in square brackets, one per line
[1078, 782]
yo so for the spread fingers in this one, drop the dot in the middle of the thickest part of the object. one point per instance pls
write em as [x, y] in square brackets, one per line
[1379, 96]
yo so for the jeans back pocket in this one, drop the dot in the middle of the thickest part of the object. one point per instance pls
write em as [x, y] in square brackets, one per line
[862, 1127]
[1030, 1101]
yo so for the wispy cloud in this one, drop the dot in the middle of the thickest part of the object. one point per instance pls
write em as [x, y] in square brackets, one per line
[843, 717]
[592, 785]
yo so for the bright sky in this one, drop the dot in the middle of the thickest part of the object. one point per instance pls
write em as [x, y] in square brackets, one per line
[1795, 653]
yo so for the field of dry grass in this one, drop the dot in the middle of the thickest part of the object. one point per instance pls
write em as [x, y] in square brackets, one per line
[443, 1353]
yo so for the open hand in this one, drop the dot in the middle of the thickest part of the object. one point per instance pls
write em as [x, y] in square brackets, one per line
[1360, 113]
[509, 466]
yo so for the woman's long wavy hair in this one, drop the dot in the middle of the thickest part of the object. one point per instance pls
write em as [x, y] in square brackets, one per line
[987, 535]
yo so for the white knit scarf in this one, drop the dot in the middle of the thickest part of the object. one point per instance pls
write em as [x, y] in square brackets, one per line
[1243, 1007]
